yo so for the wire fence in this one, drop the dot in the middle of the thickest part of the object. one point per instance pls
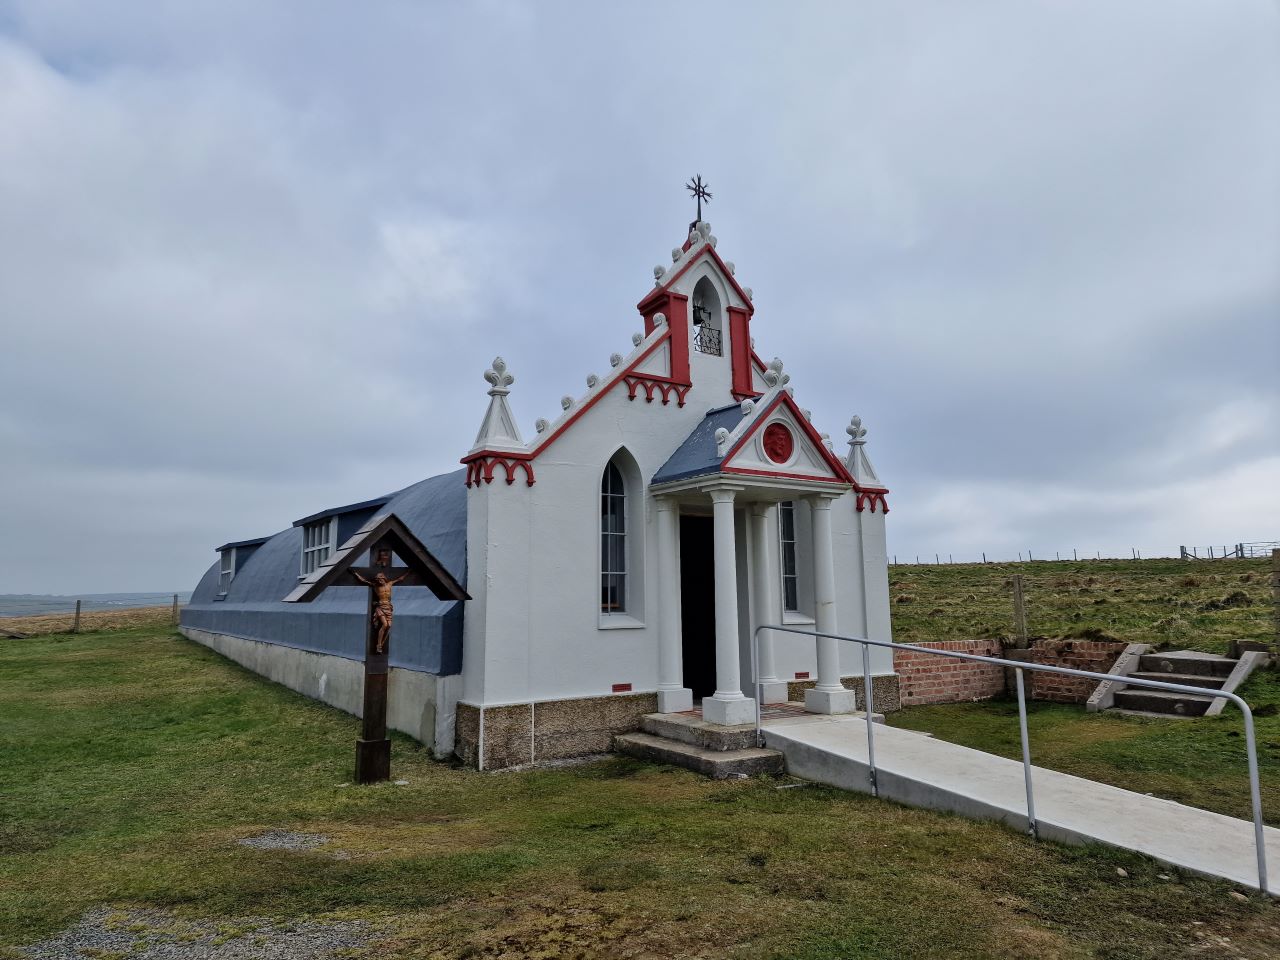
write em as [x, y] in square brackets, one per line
[1241, 551]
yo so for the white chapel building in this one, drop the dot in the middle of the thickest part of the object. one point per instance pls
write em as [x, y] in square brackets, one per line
[618, 561]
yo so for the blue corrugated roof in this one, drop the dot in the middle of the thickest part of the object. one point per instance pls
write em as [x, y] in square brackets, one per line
[697, 455]
[428, 631]
[339, 511]
[241, 543]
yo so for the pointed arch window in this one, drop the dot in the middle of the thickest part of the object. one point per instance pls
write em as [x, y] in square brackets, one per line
[613, 541]
[706, 319]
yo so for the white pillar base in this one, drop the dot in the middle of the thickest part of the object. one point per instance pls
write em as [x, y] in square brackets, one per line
[773, 691]
[824, 701]
[675, 701]
[729, 713]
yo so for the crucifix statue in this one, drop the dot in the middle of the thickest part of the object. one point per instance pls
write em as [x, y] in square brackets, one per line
[382, 610]
[384, 538]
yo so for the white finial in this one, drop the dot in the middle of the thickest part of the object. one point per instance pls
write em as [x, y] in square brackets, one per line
[637, 339]
[541, 425]
[857, 462]
[498, 376]
[826, 442]
[658, 271]
[808, 415]
[856, 431]
[747, 406]
[747, 291]
[694, 236]
[722, 440]
[728, 265]
[592, 380]
[773, 372]
[566, 402]
[498, 430]
[675, 254]
[704, 229]
[713, 241]
[615, 359]
[659, 319]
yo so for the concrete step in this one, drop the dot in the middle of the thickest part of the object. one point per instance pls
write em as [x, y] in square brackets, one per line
[1187, 662]
[716, 764]
[696, 732]
[1190, 679]
[1161, 701]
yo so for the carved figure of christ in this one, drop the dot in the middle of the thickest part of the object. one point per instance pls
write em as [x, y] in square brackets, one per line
[383, 611]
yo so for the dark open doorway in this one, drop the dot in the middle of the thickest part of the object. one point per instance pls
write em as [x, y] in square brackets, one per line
[698, 605]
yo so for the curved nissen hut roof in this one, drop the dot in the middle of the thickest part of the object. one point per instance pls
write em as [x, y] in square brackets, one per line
[427, 633]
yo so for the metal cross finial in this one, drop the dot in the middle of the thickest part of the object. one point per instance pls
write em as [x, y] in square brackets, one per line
[700, 193]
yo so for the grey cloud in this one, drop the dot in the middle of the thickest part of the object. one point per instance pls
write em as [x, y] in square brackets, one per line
[1034, 245]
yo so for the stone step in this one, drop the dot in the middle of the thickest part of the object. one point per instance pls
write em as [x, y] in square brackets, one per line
[1161, 701]
[716, 764]
[1189, 679]
[1187, 662]
[696, 732]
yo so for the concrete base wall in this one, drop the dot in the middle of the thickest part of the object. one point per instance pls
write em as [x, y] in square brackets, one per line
[885, 691]
[419, 704]
[520, 733]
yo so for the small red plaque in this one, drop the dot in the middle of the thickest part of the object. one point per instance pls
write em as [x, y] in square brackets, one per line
[778, 443]
[802, 675]
[622, 688]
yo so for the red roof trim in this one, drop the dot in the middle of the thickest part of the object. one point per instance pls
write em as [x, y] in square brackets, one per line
[620, 378]
[708, 249]
[785, 476]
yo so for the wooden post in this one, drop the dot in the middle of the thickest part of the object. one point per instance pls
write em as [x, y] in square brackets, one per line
[1275, 588]
[1019, 613]
[75, 626]
[173, 616]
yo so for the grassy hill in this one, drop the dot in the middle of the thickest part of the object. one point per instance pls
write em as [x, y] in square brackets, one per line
[1199, 605]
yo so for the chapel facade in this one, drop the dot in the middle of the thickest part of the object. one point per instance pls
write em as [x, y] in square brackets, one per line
[618, 562]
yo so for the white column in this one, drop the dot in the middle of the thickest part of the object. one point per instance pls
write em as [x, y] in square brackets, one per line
[673, 696]
[767, 590]
[728, 706]
[829, 696]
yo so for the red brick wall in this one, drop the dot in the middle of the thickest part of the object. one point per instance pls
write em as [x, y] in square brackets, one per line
[1077, 654]
[929, 679]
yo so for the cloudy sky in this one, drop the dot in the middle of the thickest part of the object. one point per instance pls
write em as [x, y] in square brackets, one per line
[254, 257]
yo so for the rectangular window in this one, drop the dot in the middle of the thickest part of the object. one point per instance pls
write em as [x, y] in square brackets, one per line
[317, 544]
[226, 571]
[787, 535]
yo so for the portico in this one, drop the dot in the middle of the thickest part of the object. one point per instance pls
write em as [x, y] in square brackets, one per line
[745, 579]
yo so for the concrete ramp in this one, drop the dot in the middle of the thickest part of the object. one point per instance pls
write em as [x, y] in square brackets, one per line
[917, 770]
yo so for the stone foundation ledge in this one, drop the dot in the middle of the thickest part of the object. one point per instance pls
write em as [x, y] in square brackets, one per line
[518, 734]
[885, 690]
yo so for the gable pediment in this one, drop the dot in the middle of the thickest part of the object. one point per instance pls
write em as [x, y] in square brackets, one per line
[781, 442]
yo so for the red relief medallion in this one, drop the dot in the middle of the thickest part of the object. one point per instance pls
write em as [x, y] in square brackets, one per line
[778, 443]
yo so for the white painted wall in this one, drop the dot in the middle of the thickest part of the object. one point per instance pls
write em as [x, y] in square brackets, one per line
[533, 630]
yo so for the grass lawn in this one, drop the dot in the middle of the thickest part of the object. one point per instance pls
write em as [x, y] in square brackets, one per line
[132, 761]
[1167, 603]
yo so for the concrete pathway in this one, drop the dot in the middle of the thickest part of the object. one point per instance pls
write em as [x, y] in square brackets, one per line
[917, 770]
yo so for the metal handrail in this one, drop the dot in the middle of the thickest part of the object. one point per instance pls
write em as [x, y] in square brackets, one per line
[1019, 666]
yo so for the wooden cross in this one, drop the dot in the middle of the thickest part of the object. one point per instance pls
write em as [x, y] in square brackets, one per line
[384, 538]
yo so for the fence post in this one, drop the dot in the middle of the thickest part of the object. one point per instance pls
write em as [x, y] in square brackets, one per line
[75, 626]
[1275, 587]
[1019, 613]
[173, 616]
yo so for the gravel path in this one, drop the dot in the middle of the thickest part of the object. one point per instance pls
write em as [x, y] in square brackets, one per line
[284, 840]
[159, 935]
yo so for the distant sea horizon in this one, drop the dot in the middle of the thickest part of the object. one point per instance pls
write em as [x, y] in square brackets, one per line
[35, 604]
